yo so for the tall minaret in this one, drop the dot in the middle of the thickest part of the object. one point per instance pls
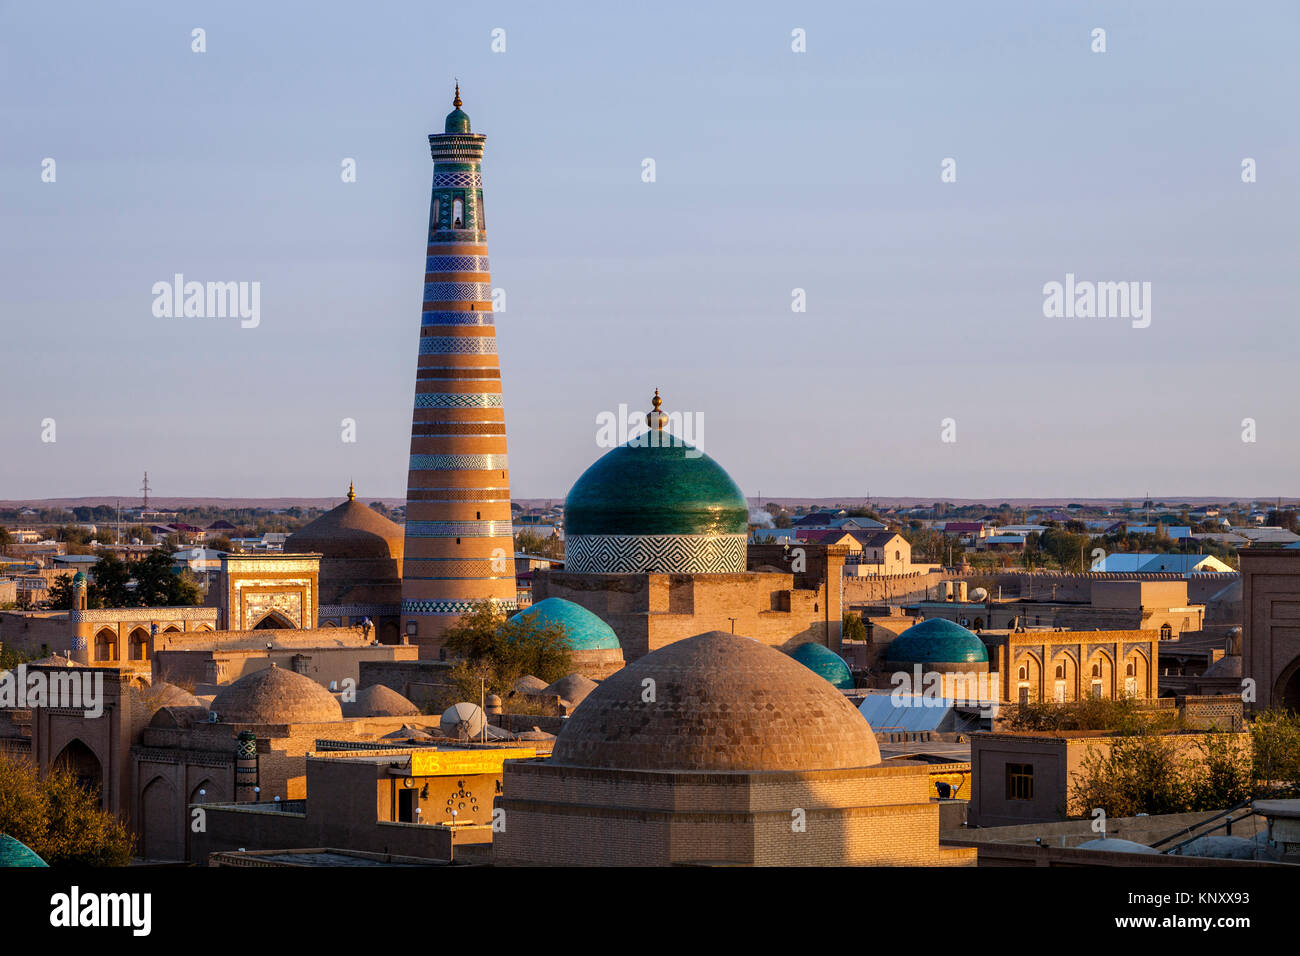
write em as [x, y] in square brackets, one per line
[459, 545]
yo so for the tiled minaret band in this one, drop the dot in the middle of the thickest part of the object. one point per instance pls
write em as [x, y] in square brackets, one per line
[459, 547]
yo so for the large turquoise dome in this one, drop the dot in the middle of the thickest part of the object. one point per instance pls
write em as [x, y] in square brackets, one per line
[585, 631]
[655, 504]
[936, 641]
[14, 853]
[655, 489]
[825, 663]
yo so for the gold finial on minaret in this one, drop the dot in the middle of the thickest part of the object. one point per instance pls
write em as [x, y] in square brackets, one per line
[456, 101]
[352, 492]
[657, 419]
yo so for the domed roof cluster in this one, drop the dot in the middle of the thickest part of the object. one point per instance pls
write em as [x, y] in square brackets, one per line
[352, 530]
[584, 630]
[721, 703]
[276, 696]
[825, 663]
[936, 641]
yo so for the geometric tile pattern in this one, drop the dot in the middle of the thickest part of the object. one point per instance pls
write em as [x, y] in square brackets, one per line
[458, 400]
[469, 180]
[418, 606]
[457, 292]
[658, 553]
[458, 318]
[457, 463]
[455, 345]
[457, 529]
[456, 264]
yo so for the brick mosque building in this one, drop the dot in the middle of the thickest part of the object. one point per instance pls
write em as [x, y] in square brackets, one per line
[459, 546]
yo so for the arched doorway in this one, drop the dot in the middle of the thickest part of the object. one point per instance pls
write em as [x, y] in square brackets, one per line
[160, 825]
[1287, 692]
[106, 645]
[81, 761]
[138, 644]
[273, 620]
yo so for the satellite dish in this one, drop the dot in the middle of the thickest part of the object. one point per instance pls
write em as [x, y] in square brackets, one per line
[979, 594]
[212, 716]
[463, 721]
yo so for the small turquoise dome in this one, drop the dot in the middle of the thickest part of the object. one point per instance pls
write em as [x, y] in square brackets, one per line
[825, 663]
[457, 119]
[13, 853]
[936, 641]
[586, 631]
[79, 578]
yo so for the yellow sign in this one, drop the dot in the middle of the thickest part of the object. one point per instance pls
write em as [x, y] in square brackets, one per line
[446, 763]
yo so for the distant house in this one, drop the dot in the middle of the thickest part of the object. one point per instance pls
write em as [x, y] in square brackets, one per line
[870, 552]
[965, 531]
[838, 521]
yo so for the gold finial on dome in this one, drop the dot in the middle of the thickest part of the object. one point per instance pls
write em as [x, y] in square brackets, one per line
[656, 419]
[352, 492]
[456, 101]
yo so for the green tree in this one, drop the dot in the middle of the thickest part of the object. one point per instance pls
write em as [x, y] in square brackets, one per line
[1275, 739]
[59, 820]
[1220, 776]
[158, 584]
[852, 628]
[501, 650]
[1137, 774]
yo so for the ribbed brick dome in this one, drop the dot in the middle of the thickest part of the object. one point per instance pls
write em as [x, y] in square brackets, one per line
[722, 703]
[276, 696]
[352, 530]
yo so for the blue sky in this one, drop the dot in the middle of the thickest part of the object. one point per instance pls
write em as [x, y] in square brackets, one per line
[775, 171]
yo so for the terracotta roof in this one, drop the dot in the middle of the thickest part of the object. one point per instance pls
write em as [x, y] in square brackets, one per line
[721, 702]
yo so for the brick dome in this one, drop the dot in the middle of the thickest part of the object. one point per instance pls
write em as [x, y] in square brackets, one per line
[722, 703]
[276, 696]
[378, 700]
[352, 530]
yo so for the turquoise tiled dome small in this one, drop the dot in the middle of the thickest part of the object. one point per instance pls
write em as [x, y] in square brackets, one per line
[79, 577]
[825, 663]
[13, 853]
[936, 641]
[586, 631]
